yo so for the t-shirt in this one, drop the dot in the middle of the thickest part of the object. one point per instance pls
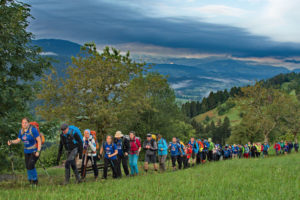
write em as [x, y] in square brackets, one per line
[29, 139]
[175, 149]
[109, 149]
[119, 144]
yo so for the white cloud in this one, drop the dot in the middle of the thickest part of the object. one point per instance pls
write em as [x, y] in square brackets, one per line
[48, 53]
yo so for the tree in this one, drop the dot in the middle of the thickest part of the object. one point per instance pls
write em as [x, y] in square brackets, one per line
[20, 65]
[91, 96]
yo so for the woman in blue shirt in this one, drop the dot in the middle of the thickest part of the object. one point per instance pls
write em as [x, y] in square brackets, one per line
[162, 152]
[110, 151]
[30, 136]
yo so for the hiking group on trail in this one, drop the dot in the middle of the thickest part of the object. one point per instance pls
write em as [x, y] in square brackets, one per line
[123, 149]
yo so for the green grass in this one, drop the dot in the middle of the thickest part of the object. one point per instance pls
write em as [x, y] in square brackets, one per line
[270, 178]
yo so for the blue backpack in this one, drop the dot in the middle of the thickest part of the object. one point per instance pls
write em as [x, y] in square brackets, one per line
[226, 153]
[72, 128]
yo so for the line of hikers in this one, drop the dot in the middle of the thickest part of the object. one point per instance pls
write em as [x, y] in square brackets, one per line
[116, 151]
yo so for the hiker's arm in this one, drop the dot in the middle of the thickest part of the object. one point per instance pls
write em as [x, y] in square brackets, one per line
[39, 142]
[101, 151]
[154, 147]
[114, 154]
[16, 141]
[144, 145]
[60, 148]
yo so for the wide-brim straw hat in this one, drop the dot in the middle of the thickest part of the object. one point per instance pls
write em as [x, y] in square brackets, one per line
[118, 134]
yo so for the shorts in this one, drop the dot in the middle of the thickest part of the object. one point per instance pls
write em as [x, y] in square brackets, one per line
[265, 153]
[193, 155]
[150, 158]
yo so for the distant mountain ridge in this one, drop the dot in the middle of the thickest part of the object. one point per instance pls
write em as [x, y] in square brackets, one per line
[192, 79]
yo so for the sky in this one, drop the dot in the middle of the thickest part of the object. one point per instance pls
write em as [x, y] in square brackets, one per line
[260, 31]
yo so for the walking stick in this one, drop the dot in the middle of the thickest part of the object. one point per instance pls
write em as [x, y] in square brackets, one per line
[85, 162]
[12, 162]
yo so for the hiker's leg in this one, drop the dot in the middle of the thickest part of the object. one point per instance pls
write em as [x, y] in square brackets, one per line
[146, 166]
[114, 168]
[154, 161]
[125, 165]
[82, 166]
[67, 171]
[179, 161]
[118, 166]
[130, 158]
[94, 165]
[135, 163]
[29, 176]
[75, 170]
[174, 158]
[163, 162]
[31, 160]
[106, 163]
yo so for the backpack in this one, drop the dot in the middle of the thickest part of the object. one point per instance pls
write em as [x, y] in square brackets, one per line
[78, 132]
[94, 134]
[128, 138]
[37, 126]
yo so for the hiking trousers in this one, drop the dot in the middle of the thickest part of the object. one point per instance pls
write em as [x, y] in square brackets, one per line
[122, 159]
[162, 161]
[93, 160]
[70, 162]
[110, 162]
[30, 160]
[133, 163]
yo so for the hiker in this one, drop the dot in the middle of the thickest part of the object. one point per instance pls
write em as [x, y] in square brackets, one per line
[110, 156]
[188, 153]
[253, 150]
[71, 139]
[258, 149]
[282, 144]
[89, 153]
[286, 148]
[246, 151]
[226, 152]
[194, 144]
[249, 146]
[30, 136]
[150, 146]
[123, 149]
[183, 155]
[265, 149]
[210, 149]
[290, 147]
[296, 146]
[241, 151]
[235, 150]
[199, 154]
[175, 150]
[277, 148]
[135, 148]
[162, 152]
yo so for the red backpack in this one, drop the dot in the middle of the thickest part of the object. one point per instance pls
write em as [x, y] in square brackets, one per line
[37, 126]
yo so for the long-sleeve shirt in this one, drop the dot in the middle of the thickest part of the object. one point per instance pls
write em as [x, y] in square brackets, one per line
[89, 145]
[153, 146]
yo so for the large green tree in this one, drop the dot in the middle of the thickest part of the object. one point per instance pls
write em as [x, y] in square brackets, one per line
[20, 65]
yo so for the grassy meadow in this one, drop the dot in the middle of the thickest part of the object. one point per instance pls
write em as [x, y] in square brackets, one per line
[269, 178]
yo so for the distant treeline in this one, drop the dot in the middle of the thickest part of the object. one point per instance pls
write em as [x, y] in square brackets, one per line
[194, 108]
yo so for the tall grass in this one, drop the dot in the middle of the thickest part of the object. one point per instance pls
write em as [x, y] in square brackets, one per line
[270, 178]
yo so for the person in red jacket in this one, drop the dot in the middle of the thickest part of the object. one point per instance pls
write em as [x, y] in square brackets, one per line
[188, 152]
[277, 148]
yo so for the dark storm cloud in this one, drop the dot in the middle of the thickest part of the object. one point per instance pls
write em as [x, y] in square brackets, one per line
[111, 23]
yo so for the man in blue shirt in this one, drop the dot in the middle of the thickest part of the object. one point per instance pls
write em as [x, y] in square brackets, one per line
[30, 136]
[71, 139]
[175, 150]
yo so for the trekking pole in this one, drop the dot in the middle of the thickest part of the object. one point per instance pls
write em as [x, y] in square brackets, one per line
[43, 166]
[11, 161]
[85, 163]
[168, 160]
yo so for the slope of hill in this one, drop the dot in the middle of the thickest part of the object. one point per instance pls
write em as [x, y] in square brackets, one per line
[270, 178]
